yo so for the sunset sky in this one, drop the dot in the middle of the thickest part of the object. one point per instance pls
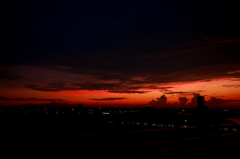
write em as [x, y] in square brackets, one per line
[120, 52]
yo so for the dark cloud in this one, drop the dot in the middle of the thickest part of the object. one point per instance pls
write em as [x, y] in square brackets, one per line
[98, 86]
[129, 92]
[170, 92]
[194, 99]
[10, 76]
[51, 87]
[110, 87]
[199, 91]
[207, 80]
[187, 93]
[107, 98]
[33, 99]
[159, 102]
[75, 86]
[216, 102]
[233, 85]
[183, 100]
[165, 89]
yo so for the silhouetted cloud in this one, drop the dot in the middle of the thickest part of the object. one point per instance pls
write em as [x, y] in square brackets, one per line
[183, 100]
[32, 99]
[194, 99]
[218, 101]
[107, 98]
[159, 102]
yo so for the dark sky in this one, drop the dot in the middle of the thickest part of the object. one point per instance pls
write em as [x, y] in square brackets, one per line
[117, 46]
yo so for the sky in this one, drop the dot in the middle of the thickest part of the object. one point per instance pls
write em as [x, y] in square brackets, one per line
[120, 53]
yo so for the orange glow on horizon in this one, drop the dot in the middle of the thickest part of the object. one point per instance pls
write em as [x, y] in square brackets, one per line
[218, 88]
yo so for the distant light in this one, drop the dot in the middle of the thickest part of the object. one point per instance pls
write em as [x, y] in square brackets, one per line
[185, 121]
[225, 129]
[234, 129]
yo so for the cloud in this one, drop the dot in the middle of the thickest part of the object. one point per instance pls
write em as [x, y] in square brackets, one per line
[194, 99]
[110, 87]
[164, 89]
[107, 98]
[199, 91]
[236, 79]
[33, 99]
[233, 72]
[170, 92]
[233, 85]
[218, 101]
[10, 76]
[51, 87]
[98, 86]
[129, 92]
[183, 100]
[160, 102]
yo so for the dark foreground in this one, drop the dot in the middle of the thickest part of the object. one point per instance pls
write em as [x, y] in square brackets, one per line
[88, 137]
